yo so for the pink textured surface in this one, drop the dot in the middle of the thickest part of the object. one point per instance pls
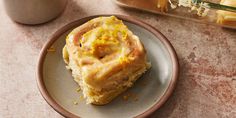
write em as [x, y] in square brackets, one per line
[207, 83]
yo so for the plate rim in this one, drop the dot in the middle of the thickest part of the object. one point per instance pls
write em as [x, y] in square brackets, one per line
[171, 51]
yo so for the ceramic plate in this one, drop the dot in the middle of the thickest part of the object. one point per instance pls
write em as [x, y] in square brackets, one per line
[151, 90]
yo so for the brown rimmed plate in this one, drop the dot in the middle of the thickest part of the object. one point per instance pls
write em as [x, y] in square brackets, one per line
[146, 96]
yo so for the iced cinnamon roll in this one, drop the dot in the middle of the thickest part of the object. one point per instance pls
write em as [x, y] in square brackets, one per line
[105, 58]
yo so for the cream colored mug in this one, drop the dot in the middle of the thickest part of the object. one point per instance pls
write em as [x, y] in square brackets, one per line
[34, 11]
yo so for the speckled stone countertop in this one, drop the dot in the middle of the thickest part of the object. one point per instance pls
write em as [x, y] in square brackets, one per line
[207, 83]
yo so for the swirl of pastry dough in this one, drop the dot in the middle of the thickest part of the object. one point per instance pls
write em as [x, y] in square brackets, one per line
[105, 58]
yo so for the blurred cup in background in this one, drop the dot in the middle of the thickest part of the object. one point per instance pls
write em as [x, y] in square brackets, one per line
[34, 11]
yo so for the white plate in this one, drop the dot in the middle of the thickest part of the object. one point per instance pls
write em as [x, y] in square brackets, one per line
[152, 89]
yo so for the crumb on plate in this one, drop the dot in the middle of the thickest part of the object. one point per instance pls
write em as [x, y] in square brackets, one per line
[131, 96]
[51, 49]
[78, 89]
[81, 97]
[75, 102]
